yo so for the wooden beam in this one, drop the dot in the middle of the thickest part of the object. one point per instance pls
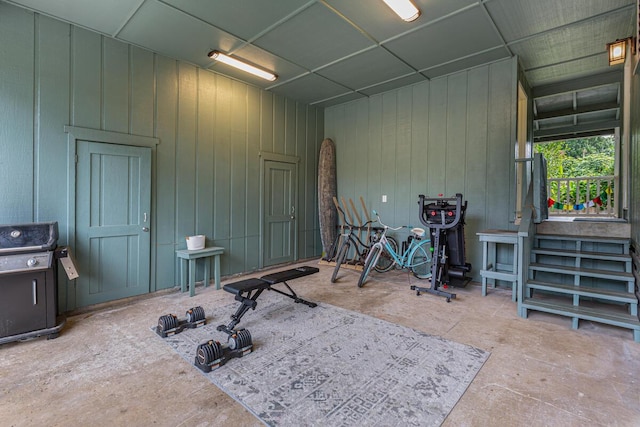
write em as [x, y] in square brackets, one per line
[580, 110]
[582, 135]
[575, 131]
[610, 77]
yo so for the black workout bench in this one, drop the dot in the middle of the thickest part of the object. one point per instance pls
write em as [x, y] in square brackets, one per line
[211, 354]
[247, 291]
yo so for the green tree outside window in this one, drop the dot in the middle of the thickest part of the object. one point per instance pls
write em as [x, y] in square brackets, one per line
[577, 158]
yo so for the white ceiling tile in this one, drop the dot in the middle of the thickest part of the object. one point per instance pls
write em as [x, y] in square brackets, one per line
[163, 29]
[249, 17]
[313, 38]
[366, 69]
[444, 41]
[105, 17]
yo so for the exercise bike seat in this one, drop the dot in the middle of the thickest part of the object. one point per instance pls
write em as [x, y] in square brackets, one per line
[246, 285]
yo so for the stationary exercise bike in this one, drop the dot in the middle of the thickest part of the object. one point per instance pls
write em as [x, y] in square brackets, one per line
[445, 219]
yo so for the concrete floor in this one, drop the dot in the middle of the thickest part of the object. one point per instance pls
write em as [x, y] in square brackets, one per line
[108, 369]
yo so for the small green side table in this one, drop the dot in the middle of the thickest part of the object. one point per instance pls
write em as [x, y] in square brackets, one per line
[491, 270]
[192, 256]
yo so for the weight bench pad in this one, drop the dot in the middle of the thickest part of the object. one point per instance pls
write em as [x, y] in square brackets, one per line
[243, 290]
[246, 286]
[294, 273]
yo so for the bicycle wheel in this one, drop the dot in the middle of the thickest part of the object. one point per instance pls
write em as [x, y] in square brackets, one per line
[371, 260]
[343, 253]
[420, 260]
[333, 250]
[386, 261]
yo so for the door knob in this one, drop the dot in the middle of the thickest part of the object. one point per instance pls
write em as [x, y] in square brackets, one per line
[145, 229]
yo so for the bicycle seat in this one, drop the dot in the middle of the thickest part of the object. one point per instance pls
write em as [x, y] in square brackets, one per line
[419, 232]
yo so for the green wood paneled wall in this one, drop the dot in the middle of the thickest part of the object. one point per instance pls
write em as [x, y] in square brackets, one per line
[211, 129]
[454, 134]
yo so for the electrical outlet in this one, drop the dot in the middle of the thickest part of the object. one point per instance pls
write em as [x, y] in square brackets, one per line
[384, 198]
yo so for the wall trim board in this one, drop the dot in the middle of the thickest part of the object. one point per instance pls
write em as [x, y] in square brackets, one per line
[88, 134]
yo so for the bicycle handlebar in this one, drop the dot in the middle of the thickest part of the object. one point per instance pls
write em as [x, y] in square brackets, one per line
[389, 227]
[344, 218]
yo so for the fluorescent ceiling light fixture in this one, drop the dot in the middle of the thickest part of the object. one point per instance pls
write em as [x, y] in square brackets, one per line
[404, 9]
[617, 52]
[226, 59]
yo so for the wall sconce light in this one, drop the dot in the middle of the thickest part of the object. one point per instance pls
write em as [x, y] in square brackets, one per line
[617, 51]
[404, 9]
[226, 59]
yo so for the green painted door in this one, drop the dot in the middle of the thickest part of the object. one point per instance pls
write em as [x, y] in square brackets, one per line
[280, 213]
[113, 202]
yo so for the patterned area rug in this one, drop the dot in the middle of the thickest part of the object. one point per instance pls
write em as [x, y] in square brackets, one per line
[326, 366]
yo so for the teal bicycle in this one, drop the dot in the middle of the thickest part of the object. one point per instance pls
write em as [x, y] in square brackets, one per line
[416, 257]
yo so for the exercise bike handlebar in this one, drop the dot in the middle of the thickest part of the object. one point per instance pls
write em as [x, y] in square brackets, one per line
[441, 201]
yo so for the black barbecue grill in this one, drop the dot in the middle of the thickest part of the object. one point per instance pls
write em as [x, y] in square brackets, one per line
[28, 281]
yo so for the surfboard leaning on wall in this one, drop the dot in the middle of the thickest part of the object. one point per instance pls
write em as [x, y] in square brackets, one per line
[327, 190]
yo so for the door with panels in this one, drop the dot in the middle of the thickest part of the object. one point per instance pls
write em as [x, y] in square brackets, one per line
[113, 202]
[279, 220]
